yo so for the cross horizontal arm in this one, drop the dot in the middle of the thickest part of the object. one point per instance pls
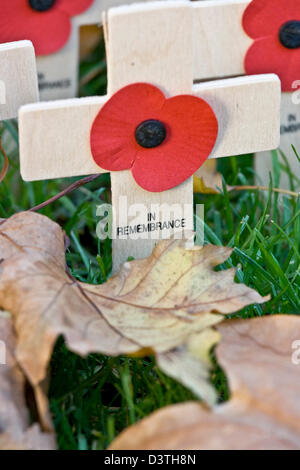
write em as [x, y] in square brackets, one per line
[54, 137]
[18, 77]
[248, 111]
[93, 15]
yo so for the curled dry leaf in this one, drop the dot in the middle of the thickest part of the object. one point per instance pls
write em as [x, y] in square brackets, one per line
[207, 179]
[264, 409]
[163, 303]
[16, 432]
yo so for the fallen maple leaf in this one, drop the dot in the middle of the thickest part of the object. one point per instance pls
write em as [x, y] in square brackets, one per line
[16, 432]
[264, 410]
[163, 303]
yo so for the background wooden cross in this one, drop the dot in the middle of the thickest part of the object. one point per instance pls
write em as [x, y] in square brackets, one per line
[151, 43]
[58, 73]
[220, 48]
[18, 78]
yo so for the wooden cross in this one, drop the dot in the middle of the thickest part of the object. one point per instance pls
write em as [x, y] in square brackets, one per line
[58, 73]
[18, 78]
[221, 45]
[150, 43]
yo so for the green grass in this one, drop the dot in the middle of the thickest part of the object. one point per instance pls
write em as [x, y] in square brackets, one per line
[93, 399]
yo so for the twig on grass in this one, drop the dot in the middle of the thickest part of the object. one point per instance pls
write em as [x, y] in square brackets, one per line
[91, 178]
[265, 188]
[6, 163]
[66, 191]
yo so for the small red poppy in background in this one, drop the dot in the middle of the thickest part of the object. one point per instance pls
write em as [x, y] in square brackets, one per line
[162, 141]
[275, 27]
[47, 23]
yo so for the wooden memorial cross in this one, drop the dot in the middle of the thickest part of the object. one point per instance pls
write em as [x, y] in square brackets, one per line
[151, 43]
[224, 48]
[53, 26]
[18, 78]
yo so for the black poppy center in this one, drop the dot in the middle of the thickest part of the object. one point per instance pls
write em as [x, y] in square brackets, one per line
[41, 5]
[150, 134]
[289, 34]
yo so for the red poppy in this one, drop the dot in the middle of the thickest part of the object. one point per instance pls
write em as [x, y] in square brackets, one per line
[162, 141]
[47, 23]
[275, 27]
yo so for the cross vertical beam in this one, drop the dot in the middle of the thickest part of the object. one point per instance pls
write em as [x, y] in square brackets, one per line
[154, 44]
[58, 73]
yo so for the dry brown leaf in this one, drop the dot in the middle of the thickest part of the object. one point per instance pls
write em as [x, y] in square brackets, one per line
[90, 37]
[163, 303]
[207, 179]
[264, 409]
[191, 363]
[15, 429]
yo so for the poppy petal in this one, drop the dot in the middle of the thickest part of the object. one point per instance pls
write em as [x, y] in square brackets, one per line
[267, 55]
[265, 17]
[191, 127]
[49, 31]
[192, 133]
[114, 127]
[112, 145]
[133, 104]
[74, 7]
